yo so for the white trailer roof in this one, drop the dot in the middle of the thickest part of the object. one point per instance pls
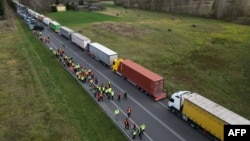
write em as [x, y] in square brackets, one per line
[103, 48]
[219, 111]
[67, 29]
[80, 36]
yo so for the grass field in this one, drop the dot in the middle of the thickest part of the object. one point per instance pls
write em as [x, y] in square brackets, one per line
[39, 100]
[211, 58]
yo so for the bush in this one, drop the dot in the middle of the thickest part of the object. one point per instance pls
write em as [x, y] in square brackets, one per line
[53, 8]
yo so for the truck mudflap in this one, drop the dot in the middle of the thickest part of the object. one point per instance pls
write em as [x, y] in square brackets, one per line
[160, 96]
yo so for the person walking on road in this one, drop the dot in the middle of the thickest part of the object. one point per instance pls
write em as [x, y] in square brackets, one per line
[140, 132]
[119, 97]
[125, 95]
[126, 123]
[142, 127]
[128, 111]
[112, 93]
[117, 111]
[134, 126]
[134, 133]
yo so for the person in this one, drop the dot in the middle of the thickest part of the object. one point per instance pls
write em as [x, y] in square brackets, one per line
[109, 84]
[117, 111]
[134, 133]
[142, 127]
[101, 96]
[125, 95]
[108, 95]
[96, 80]
[133, 126]
[126, 123]
[119, 97]
[140, 132]
[128, 111]
[112, 95]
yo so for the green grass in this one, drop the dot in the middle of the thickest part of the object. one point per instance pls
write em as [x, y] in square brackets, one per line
[76, 18]
[212, 58]
[39, 99]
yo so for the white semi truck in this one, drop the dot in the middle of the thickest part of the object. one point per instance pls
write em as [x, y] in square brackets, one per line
[65, 32]
[102, 53]
[203, 113]
[80, 40]
[46, 21]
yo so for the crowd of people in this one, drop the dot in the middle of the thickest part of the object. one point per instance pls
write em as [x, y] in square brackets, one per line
[99, 91]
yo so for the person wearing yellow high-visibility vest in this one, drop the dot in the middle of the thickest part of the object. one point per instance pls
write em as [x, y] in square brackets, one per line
[134, 133]
[140, 132]
[112, 93]
[116, 112]
[143, 127]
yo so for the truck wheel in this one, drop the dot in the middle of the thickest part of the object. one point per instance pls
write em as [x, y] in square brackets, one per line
[172, 110]
[192, 124]
[184, 118]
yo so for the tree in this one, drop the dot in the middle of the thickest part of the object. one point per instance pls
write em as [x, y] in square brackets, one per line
[81, 2]
[53, 8]
[1, 9]
[67, 5]
[57, 2]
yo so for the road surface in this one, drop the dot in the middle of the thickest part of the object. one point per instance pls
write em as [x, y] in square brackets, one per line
[161, 125]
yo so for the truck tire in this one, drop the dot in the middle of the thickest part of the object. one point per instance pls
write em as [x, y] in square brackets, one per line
[185, 118]
[192, 124]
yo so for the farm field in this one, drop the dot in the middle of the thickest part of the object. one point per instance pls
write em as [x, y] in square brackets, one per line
[206, 56]
[39, 99]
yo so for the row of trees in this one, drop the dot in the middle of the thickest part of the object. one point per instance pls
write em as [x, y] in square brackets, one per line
[231, 10]
[1, 9]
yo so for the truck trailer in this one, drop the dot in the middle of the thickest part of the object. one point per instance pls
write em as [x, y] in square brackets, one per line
[65, 32]
[46, 21]
[102, 53]
[147, 81]
[54, 26]
[80, 40]
[204, 114]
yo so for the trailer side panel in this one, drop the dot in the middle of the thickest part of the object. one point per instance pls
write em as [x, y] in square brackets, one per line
[147, 80]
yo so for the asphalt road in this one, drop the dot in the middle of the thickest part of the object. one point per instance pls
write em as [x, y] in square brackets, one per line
[161, 125]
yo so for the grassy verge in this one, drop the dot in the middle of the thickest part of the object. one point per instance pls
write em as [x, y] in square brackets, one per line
[207, 56]
[39, 99]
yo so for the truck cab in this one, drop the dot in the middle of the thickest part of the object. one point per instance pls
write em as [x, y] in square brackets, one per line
[176, 101]
[116, 64]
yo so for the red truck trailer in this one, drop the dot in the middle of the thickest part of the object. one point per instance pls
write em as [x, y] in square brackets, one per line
[149, 82]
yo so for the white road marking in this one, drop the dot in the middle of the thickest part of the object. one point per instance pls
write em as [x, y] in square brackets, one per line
[141, 106]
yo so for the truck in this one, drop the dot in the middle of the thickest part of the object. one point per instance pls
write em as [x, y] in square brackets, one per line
[145, 80]
[80, 40]
[103, 54]
[40, 17]
[54, 26]
[46, 21]
[65, 32]
[204, 114]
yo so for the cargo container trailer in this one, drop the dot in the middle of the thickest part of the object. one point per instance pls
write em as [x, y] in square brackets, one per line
[102, 53]
[66, 32]
[147, 81]
[54, 26]
[46, 21]
[80, 40]
[204, 114]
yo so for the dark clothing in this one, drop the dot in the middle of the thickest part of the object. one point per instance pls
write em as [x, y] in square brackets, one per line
[119, 97]
[125, 95]
[126, 123]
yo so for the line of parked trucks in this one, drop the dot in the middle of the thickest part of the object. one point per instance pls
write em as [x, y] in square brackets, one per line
[193, 108]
